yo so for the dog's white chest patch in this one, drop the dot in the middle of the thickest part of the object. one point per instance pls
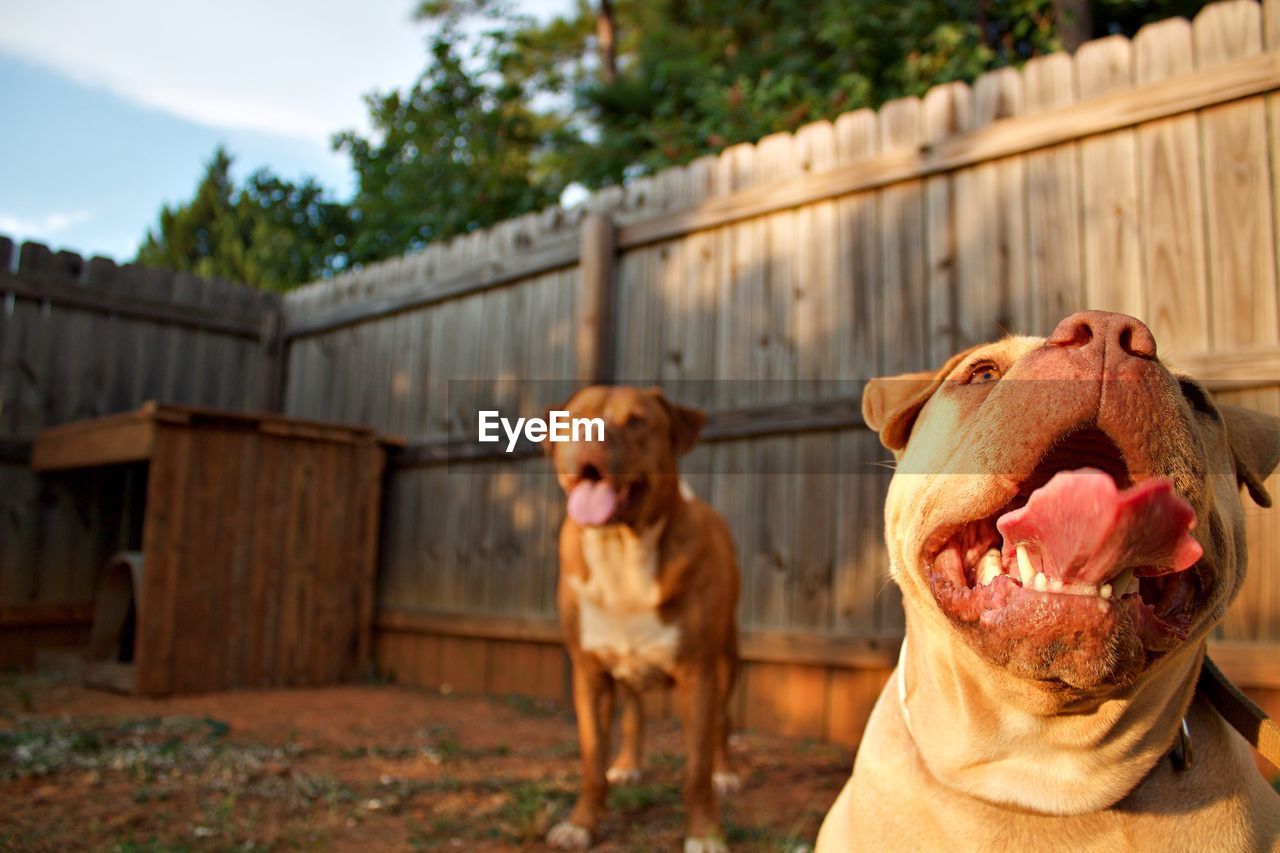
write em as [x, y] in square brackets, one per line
[618, 604]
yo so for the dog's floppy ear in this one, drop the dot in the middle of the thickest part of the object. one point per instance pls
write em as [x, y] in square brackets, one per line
[686, 422]
[890, 404]
[1254, 438]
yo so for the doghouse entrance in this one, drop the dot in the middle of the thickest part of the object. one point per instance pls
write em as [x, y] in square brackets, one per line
[113, 638]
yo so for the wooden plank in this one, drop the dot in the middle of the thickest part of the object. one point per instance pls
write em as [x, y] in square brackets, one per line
[164, 544]
[273, 359]
[595, 323]
[128, 436]
[45, 615]
[903, 331]
[789, 647]
[147, 340]
[19, 541]
[463, 664]
[295, 601]
[366, 518]
[271, 508]
[947, 111]
[851, 694]
[333, 566]
[1247, 664]
[65, 294]
[108, 441]
[815, 337]
[1172, 213]
[857, 308]
[236, 556]
[462, 283]
[1241, 249]
[197, 635]
[769, 302]
[991, 276]
[1109, 187]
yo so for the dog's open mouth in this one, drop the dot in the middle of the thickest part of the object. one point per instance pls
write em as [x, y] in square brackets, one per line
[1080, 547]
[595, 499]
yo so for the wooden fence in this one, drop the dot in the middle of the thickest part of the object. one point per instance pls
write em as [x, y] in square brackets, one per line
[1135, 175]
[84, 338]
[763, 284]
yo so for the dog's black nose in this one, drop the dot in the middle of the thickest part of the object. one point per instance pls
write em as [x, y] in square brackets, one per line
[1116, 333]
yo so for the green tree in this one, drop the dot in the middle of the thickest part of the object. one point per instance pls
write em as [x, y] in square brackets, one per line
[461, 149]
[694, 76]
[269, 233]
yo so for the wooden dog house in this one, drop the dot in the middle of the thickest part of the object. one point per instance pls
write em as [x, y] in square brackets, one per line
[258, 549]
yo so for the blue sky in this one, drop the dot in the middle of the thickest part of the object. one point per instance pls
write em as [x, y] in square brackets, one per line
[112, 108]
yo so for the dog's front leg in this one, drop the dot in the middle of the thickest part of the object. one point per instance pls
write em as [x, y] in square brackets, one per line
[697, 691]
[627, 765]
[593, 704]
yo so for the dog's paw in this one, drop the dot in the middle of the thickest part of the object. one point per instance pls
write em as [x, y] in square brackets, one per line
[726, 782]
[622, 775]
[569, 836]
[709, 844]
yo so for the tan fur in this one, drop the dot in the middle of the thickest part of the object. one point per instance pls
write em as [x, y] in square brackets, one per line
[975, 747]
[648, 599]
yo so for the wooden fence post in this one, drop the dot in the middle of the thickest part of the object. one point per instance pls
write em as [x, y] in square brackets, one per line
[273, 351]
[595, 338]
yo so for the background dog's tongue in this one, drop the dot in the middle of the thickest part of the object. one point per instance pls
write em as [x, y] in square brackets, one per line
[1086, 530]
[592, 502]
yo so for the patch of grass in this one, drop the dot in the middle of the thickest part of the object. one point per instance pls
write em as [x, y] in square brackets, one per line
[148, 794]
[759, 838]
[442, 744]
[530, 809]
[398, 753]
[666, 759]
[567, 748]
[144, 747]
[439, 832]
[148, 846]
[529, 707]
[629, 799]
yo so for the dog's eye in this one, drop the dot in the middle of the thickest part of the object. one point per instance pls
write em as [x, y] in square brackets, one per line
[635, 421]
[1197, 397]
[982, 372]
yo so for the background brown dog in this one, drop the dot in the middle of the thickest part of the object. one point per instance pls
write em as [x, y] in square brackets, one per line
[647, 594]
[1040, 714]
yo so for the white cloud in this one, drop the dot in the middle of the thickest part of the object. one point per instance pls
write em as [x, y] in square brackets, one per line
[42, 227]
[293, 68]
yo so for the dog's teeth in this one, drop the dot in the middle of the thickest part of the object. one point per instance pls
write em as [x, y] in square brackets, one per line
[1026, 571]
[1105, 590]
[1040, 582]
[1124, 583]
[1055, 585]
[990, 567]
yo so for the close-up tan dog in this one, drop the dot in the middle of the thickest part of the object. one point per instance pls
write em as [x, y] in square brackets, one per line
[647, 596]
[1066, 524]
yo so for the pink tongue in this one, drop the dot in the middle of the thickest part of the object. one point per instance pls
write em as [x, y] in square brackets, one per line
[592, 502]
[1085, 530]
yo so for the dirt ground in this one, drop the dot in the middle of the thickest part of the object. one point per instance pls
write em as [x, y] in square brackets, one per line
[364, 767]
